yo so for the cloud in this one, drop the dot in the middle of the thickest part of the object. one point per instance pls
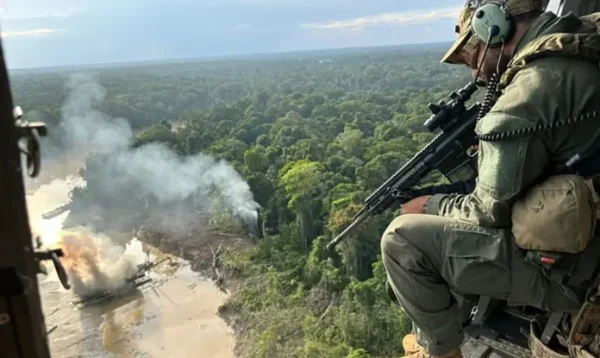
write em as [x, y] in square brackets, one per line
[28, 33]
[388, 19]
[38, 15]
[277, 3]
[243, 27]
[40, 9]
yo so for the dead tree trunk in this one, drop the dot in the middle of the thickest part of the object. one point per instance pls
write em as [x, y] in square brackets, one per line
[217, 275]
[332, 303]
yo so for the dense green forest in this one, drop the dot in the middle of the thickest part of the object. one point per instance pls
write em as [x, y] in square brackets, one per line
[312, 134]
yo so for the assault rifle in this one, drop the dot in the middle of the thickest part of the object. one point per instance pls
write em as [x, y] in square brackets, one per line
[447, 152]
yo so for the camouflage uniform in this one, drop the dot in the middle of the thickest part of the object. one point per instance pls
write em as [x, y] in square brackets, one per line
[463, 244]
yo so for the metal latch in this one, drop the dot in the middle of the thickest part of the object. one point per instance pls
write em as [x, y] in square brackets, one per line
[53, 255]
[30, 133]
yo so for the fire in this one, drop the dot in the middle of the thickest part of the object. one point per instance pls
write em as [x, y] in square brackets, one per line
[94, 263]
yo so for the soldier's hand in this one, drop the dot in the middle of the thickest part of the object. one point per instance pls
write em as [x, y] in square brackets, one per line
[415, 206]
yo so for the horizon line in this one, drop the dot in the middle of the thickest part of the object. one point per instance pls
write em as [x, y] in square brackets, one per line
[221, 56]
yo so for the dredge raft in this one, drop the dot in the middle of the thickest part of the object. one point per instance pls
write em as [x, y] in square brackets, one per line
[130, 286]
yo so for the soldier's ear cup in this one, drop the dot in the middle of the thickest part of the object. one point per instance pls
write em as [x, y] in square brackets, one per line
[492, 18]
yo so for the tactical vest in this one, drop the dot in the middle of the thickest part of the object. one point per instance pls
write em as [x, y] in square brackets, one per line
[584, 44]
[583, 338]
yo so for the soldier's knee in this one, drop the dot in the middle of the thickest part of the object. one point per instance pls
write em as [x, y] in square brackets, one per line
[393, 236]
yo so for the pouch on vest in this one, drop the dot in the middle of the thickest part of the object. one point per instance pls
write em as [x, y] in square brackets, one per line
[584, 334]
[557, 215]
[539, 349]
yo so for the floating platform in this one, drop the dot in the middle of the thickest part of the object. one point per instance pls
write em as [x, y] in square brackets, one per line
[129, 288]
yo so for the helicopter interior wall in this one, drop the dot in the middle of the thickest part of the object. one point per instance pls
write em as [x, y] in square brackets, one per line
[578, 7]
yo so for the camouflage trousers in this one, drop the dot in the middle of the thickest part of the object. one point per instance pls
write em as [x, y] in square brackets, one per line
[431, 259]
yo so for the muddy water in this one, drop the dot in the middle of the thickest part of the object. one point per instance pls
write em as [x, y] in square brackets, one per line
[173, 316]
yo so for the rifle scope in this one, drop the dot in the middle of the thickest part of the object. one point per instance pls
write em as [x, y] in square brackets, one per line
[443, 112]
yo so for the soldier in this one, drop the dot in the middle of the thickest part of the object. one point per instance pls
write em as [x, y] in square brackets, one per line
[447, 245]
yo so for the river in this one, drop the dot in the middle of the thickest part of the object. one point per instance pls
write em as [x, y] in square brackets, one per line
[175, 315]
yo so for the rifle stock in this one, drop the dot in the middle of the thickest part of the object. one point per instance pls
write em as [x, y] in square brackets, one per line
[447, 152]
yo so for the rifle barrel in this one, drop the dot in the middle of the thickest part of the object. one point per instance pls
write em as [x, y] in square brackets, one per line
[358, 220]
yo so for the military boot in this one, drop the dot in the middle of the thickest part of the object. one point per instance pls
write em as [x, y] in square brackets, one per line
[413, 350]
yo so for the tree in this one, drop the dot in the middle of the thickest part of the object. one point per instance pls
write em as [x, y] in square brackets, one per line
[361, 246]
[350, 141]
[256, 160]
[160, 132]
[302, 181]
[230, 149]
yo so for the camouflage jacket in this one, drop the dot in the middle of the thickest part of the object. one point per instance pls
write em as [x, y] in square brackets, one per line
[553, 76]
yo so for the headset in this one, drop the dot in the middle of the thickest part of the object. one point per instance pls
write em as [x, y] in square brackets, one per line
[493, 24]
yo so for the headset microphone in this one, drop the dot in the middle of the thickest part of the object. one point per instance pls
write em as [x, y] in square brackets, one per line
[492, 31]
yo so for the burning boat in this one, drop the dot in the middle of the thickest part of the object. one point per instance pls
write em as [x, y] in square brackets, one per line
[129, 287]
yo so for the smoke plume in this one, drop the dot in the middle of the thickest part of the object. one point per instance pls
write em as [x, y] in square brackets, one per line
[149, 178]
[136, 185]
[83, 126]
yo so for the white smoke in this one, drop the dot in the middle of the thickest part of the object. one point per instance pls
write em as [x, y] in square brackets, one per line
[85, 127]
[95, 263]
[159, 171]
[153, 168]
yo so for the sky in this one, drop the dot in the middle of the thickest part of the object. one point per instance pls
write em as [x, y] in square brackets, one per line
[42, 33]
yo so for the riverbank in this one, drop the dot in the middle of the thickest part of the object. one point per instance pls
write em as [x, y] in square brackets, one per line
[200, 254]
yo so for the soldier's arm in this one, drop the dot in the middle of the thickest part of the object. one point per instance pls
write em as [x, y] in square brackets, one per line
[506, 167]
